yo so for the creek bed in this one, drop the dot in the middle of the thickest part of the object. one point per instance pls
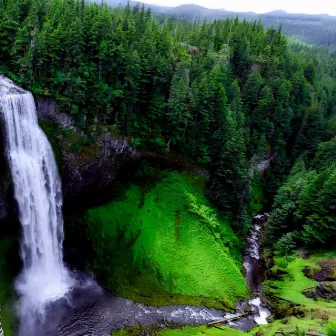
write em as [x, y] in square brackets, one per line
[90, 310]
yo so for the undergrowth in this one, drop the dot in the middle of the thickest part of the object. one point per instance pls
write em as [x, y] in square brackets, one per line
[166, 245]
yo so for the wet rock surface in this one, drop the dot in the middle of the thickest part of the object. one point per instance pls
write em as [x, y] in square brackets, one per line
[92, 168]
[89, 310]
[47, 110]
[324, 290]
[254, 266]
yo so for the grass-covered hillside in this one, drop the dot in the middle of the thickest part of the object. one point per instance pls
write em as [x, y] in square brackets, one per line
[165, 244]
[292, 277]
[295, 312]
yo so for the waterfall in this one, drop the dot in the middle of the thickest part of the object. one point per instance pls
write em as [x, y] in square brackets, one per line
[254, 267]
[37, 189]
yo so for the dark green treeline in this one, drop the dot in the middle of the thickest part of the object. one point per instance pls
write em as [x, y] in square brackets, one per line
[221, 94]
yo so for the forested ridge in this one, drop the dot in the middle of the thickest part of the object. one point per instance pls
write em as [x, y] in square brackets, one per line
[180, 133]
[222, 94]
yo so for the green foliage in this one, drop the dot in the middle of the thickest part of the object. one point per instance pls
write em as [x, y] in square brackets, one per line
[330, 328]
[165, 241]
[219, 93]
[286, 244]
[257, 198]
[287, 281]
[304, 206]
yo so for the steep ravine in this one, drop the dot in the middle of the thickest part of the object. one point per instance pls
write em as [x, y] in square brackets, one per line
[89, 309]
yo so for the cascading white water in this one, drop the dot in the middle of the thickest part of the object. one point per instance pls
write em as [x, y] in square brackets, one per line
[37, 188]
[251, 263]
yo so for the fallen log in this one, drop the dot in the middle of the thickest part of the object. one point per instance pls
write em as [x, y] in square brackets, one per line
[227, 319]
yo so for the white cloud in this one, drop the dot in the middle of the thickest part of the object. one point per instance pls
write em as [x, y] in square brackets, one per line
[260, 6]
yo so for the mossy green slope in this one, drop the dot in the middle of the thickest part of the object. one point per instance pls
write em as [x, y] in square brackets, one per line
[293, 282]
[166, 240]
[314, 326]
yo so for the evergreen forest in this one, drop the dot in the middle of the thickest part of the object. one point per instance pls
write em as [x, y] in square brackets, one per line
[247, 112]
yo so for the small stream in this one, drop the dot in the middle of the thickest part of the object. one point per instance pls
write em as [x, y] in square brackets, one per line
[254, 266]
[90, 310]
[53, 301]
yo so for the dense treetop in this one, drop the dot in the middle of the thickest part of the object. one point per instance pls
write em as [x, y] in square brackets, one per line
[221, 94]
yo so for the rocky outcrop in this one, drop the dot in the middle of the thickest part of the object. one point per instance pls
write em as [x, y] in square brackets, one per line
[90, 164]
[327, 271]
[47, 110]
[90, 168]
[5, 181]
[325, 290]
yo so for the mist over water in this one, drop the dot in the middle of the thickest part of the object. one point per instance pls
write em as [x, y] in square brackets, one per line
[37, 189]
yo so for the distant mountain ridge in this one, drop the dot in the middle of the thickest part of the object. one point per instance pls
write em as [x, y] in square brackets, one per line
[319, 29]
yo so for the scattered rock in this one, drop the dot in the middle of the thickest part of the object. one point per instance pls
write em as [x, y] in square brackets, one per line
[304, 254]
[259, 333]
[325, 290]
[308, 272]
[327, 271]
[285, 320]
[262, 217]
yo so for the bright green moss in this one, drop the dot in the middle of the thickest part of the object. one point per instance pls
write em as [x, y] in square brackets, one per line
[292, 284]
[313, 326]
[6, 286]
[266, 330]
[166, 245]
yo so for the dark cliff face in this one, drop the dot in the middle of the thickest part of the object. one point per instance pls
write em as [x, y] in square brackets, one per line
[89, 170]
[87, 167]
[47, 110]
[4, 179]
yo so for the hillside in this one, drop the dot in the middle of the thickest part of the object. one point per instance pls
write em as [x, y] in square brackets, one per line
[162, 131]
[312, 29]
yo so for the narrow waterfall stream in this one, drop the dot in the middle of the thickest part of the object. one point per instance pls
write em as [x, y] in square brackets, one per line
[254, 266]
[51, 301]
[37, 189]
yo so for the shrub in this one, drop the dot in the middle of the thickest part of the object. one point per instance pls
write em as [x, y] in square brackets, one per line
[286, 245]
[330, 328]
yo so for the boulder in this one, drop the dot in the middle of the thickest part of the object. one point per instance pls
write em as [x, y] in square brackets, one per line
[325, 290]
[326, 272]
[261, 217]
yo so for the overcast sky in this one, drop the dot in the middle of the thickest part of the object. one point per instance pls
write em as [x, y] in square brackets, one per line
[260, 6]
